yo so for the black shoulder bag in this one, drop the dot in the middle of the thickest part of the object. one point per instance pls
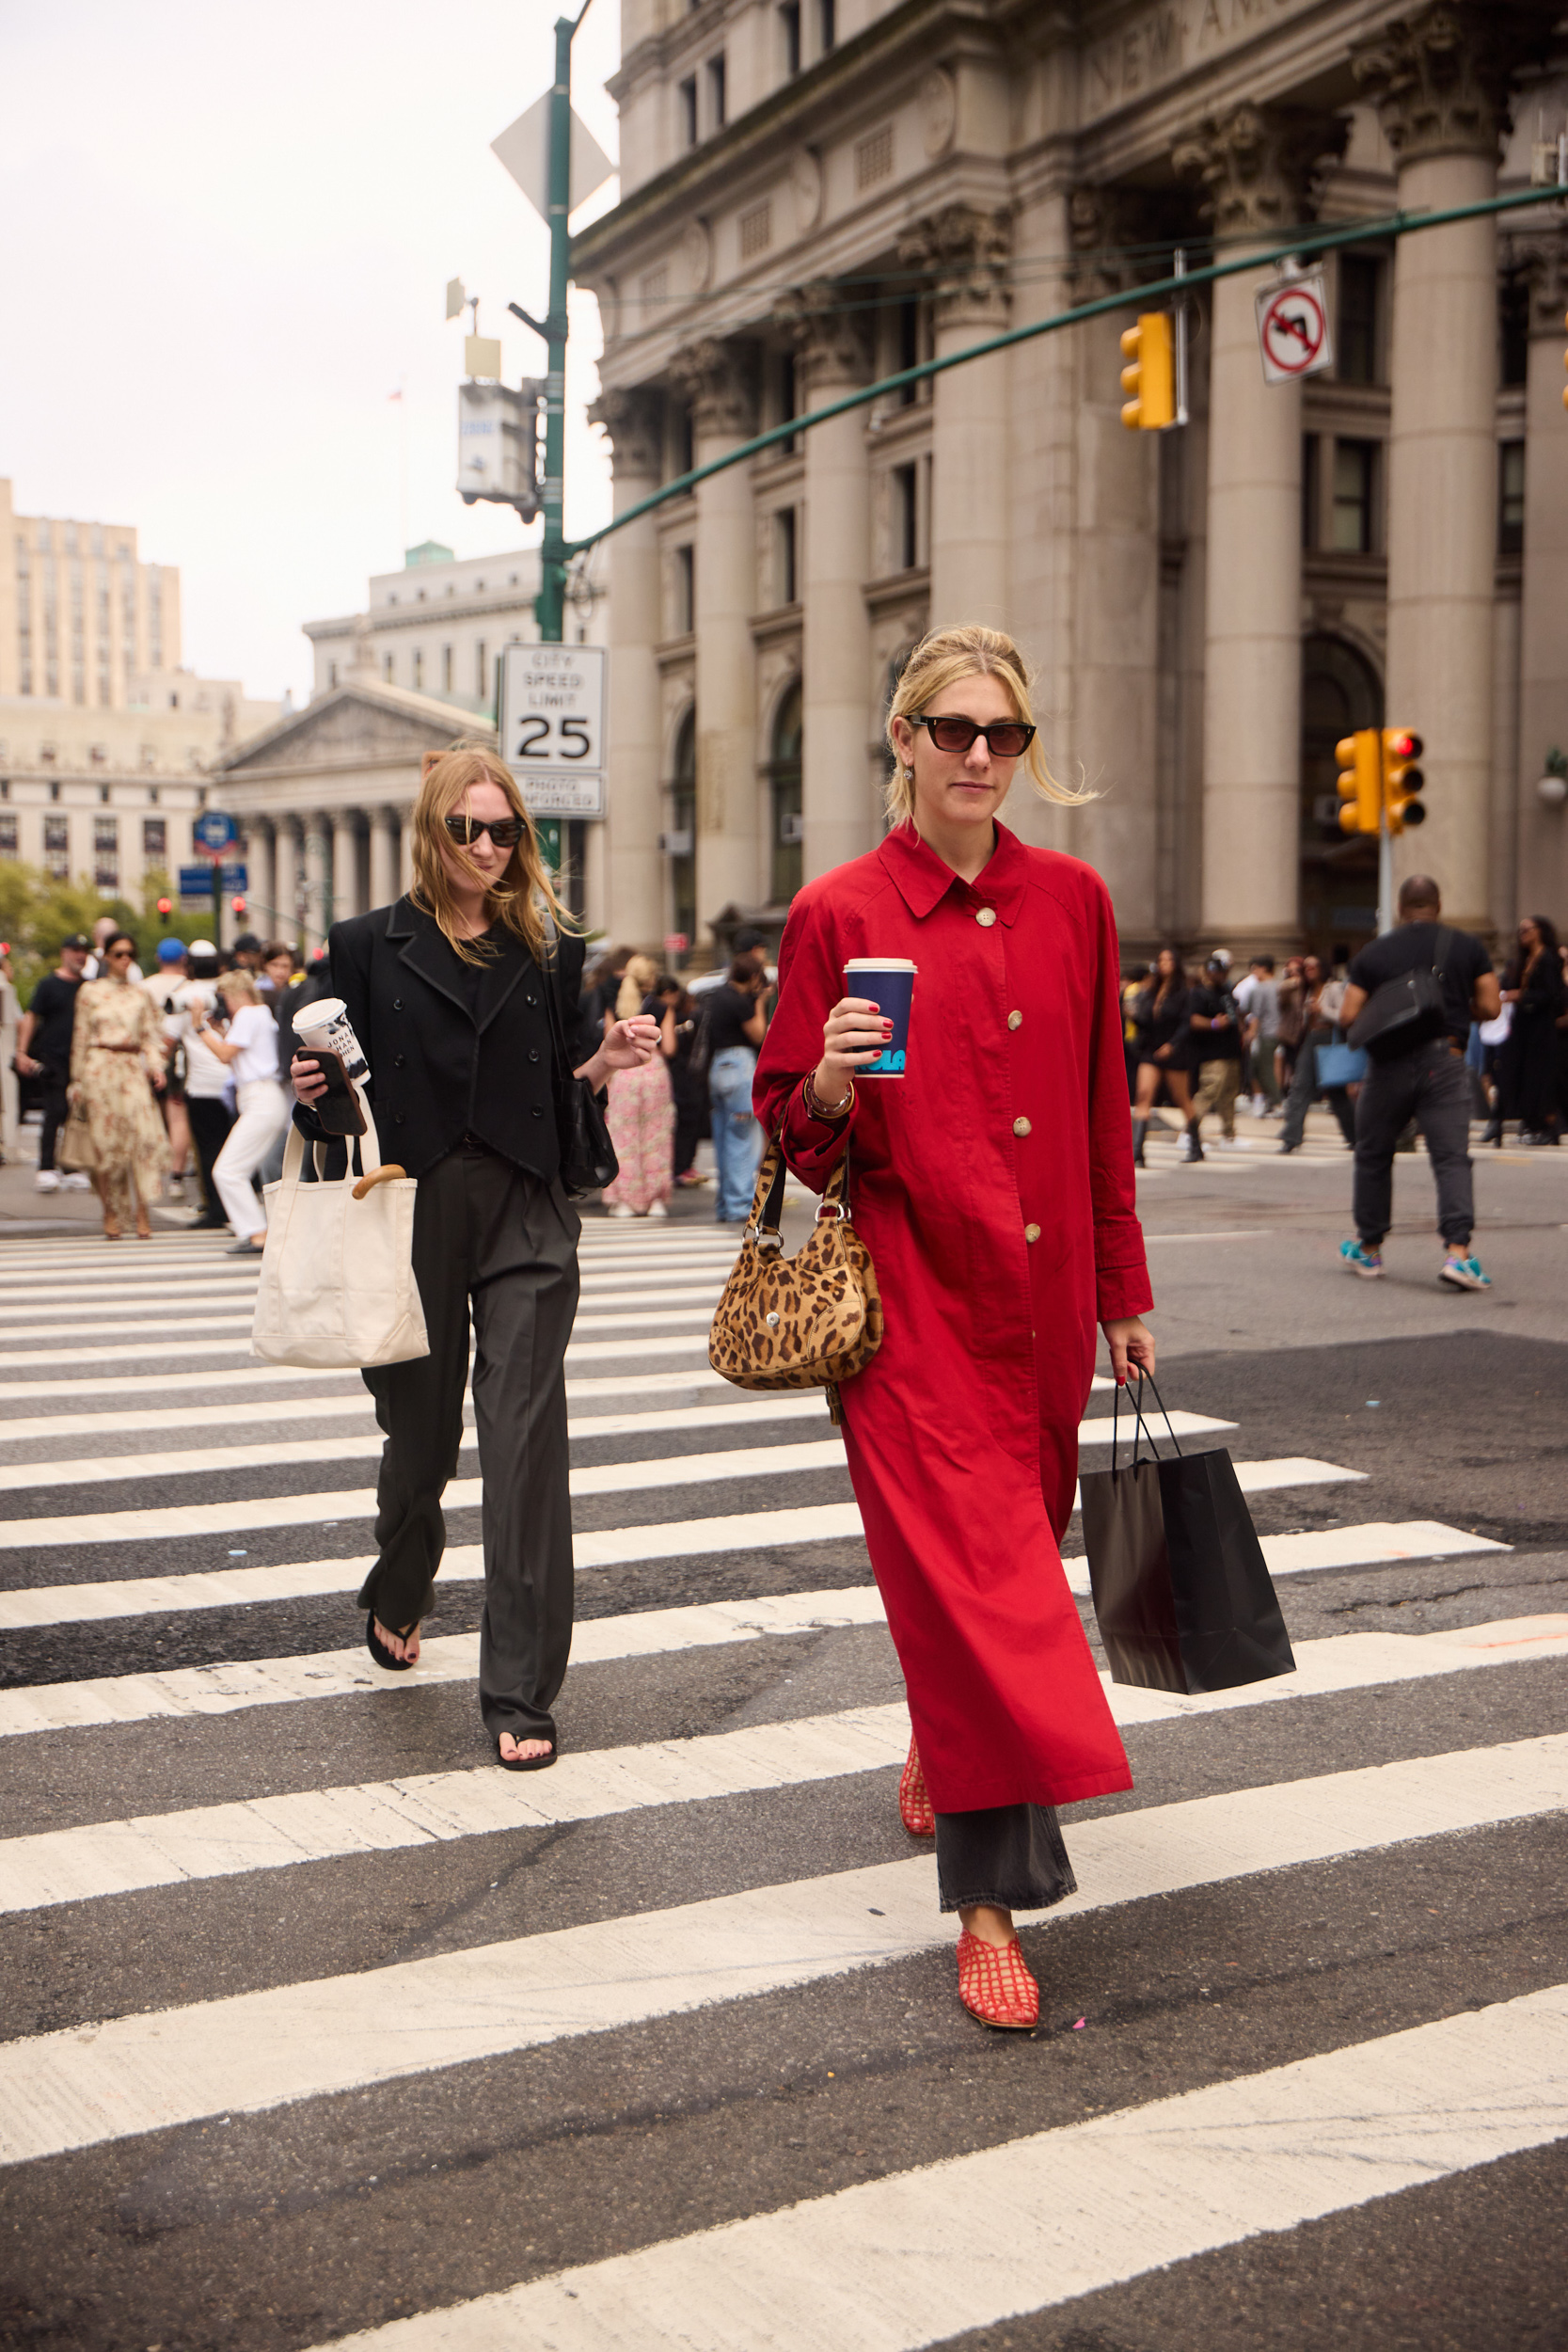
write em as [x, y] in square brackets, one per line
[1405, 1011]
[587, 1160]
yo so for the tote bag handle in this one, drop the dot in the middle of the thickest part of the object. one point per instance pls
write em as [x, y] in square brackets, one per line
[373, 1170]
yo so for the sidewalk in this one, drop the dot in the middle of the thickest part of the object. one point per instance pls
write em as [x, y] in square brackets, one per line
[24, 1210]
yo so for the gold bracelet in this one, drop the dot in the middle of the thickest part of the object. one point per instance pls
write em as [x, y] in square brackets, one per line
[819, 1110]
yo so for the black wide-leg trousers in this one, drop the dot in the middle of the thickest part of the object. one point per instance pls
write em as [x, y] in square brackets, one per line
[492, 1241]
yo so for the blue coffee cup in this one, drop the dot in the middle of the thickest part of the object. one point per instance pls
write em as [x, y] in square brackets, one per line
[889, 983]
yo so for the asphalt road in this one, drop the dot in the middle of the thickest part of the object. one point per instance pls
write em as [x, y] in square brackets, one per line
[677, 2057]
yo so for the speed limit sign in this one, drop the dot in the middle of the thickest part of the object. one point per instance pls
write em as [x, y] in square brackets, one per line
[552, 726]
[1293, 327]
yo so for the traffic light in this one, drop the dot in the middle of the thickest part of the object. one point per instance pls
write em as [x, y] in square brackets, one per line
[1360, 780]
[1150, 377]
[238, 904]
[1401, 779]
[165, 908]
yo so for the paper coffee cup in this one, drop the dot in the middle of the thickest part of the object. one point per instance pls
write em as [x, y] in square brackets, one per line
[326, 1027]
[889, 983]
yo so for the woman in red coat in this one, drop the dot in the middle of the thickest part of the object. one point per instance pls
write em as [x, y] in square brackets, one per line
[993, 1186]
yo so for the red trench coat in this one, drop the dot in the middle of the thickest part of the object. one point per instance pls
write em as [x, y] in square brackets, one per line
[993, 1186]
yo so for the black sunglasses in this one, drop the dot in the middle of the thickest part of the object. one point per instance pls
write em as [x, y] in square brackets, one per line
[1006, 739]
[505, 832]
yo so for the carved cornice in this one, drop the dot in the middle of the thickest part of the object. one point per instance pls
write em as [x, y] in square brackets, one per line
[964, 252]
[831, 339]
[634, 421]
[718, 379]
[1440, 77]
[1102, 223]
[1540, 257]
[1262, 166]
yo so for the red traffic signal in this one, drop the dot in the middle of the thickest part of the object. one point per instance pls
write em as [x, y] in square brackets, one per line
[238, 905]
[165, 908]
[1402, 780]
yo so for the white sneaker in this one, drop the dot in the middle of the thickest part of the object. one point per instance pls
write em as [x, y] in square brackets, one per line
[658, 1209]
[76, 1182]
[622, 1208]
[46, 1181]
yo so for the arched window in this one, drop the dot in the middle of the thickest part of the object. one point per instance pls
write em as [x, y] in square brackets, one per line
[784, 784]
[1339, 693]
[680, 842]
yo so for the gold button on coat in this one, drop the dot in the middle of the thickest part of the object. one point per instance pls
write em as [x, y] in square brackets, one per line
[986, 917]
[1031, 1232]
[1015, 1021]
[1022, 1127]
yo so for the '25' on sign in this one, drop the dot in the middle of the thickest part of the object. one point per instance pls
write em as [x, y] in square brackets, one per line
[540, 735]
[553, 709]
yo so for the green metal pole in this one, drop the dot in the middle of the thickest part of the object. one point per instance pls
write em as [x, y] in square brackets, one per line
[550, 605]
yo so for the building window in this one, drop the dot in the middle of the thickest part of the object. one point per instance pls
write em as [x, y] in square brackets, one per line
[688, 95]
[331, 673]
[784, 784]
[827, 24]
[1355, 355]
[1354, 474]
[874, 157]
[106, 853]
[25, 613]
[1514, 330]
[8, 836]
[1311, 488]
[789, 25]
[783, 555]
[481, 670]
[154, 839]
[905, 518]
[387, 667]
[718, 91]
[685, 614]
[1511, 497]
[446, 669]
[680, 842]
[418, 669]
[57, 848]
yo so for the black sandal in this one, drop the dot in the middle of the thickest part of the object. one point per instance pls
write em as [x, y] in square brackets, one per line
[379, 1651]
[525, 1763]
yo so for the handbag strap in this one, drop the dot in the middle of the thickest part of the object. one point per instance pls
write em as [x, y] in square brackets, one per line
[761, 1226]
[1140, 1426]
[552, 1001]
[368, 1146]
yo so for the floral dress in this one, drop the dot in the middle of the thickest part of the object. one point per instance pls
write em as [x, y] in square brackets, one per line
[641, 1115]
[116, 1128]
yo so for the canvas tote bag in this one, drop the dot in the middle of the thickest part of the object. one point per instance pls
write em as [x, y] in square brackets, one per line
[336, 1289]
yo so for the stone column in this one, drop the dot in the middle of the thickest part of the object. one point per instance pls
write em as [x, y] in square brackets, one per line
[718, 379]
[1540, 865]
[286, 879]
[384, 856]
[627, 847]
[966, 251]
[318, 880]
[1255, 163]
[261, 878]
[1440, 79]
[345, 857]
[835, 656]
[405, 850]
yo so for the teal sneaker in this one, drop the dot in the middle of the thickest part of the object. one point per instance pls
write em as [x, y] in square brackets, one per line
[1463, 1274]
[1357, 1259]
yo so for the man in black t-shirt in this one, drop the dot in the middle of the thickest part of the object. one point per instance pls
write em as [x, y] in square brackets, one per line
[1215, 1027]
[1427, 1082]
[43, 1050]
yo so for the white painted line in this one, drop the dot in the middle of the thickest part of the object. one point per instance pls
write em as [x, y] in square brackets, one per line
[902, 2262]
[154, 1350]
[173, 1325]
[1367, 1546]
[1185, 1425]
[604, 1291]
[169, 1327]
[1241, 1234]
[158, 2069]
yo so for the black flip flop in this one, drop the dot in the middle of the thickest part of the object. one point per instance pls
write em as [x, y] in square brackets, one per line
[379, 1651]
[526, 1763]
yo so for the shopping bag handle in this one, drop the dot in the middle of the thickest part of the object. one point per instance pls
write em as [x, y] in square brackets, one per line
[1140, 1426]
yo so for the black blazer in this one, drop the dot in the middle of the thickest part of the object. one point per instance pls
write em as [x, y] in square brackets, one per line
[449, 1057]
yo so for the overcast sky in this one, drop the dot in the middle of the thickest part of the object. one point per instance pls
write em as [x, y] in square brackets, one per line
[229, 233]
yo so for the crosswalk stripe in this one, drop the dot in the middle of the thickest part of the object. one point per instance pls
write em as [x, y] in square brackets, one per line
[891, 2264]
[170, 1326]
[154, 1348]
[255, 2051]
[266, 1379]
[1345, 1661]
[239, 1517]
[166, 1848]
[604, 1291]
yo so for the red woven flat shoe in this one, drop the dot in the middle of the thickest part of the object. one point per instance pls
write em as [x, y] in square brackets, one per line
[915, 1810]
[995, 1985]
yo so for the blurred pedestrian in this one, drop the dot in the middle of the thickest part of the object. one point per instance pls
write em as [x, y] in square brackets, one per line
[248, 1048]
[1160, 1014]
[735, 1017]
[275, 973]
[103, 930]
[1527, 1064]
[1427, 1082]
[205, 1080]
[675, 1008]
[994, 1189]
[1320, 1001]
[640, 1111]
[43, 1052]
[1132, 986]
[1256, 996]
[247, 954]
[1215, 1027]
[162, 985]
[115, 1130]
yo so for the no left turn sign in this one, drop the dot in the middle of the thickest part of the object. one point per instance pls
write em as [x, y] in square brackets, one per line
[1293, 327]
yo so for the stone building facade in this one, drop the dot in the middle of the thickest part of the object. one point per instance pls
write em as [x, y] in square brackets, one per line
[815, 196]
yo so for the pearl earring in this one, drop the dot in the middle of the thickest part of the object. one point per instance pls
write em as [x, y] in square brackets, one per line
[909, 775]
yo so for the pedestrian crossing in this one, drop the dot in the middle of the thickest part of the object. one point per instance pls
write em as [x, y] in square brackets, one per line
[660, 2047]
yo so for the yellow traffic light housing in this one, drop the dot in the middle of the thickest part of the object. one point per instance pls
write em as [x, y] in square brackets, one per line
[1360, 780]
[1402, 780]
[1150, 375]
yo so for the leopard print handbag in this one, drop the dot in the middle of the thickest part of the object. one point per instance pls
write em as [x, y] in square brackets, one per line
[808, 1322]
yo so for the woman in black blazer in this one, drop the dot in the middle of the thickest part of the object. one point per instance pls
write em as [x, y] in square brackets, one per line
[446, 993]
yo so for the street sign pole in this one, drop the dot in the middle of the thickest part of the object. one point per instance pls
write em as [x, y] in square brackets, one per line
[550, 607]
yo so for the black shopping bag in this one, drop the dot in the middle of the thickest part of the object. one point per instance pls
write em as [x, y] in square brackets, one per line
[1183, 1596]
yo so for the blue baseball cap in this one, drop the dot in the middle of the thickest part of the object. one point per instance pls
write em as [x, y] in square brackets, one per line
[170, 950]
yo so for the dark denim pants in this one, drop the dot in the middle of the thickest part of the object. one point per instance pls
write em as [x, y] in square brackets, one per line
[1432, 1086]
[1009, 1856]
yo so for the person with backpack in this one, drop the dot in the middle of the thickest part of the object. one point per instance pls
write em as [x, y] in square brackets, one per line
[1412, 996]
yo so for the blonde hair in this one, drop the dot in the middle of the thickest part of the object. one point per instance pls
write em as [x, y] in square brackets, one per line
[940, 662]
[636, 981]
[523, 893]
[238, 987]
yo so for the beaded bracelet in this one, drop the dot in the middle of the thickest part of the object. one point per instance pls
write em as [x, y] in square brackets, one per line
[817, 1110]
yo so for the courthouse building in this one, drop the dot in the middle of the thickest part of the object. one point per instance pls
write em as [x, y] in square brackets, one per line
[818, 193]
